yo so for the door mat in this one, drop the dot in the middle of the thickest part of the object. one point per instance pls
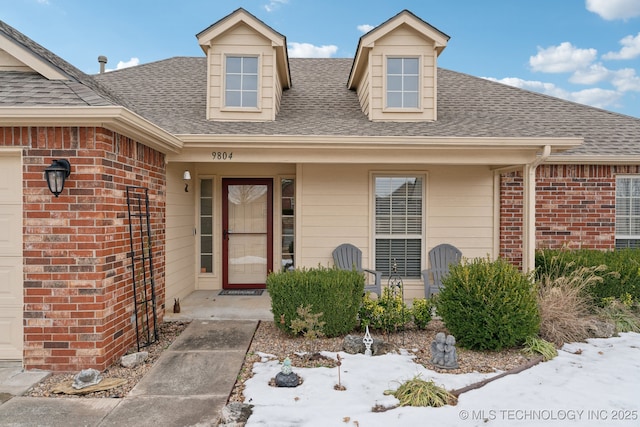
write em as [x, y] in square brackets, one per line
[242, 292]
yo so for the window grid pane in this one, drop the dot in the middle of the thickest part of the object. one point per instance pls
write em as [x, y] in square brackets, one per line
[398, 222]
[403, 82]
[627, 212]
[241, 81]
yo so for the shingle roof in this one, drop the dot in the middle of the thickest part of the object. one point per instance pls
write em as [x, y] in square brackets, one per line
[172, 94]
[30, 89]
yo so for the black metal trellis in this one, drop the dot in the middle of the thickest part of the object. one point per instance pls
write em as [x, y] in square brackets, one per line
[396, 285]
[144, 292]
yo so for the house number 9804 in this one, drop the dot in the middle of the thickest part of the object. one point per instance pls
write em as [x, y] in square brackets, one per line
[221, 155]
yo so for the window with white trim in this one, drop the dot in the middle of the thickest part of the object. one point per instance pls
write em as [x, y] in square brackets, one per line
[241, 82]
[627, 212]
[403, 78]
[206, 225]
[398, 224]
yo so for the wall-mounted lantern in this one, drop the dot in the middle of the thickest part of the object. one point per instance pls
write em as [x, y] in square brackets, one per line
[56, 174]
[186, 176]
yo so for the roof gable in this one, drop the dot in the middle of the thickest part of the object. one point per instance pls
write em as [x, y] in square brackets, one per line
[239, 17]
[404, 18]
[21, 54]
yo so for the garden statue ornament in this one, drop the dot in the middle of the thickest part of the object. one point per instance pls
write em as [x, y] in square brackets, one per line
[286, 377]
[443, 351]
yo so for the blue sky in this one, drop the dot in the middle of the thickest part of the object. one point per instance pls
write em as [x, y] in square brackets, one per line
[586, 51]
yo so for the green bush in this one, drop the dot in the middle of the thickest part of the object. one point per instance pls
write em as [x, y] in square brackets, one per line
[621, 277]
[488, 305]
[387, 313]
[421, 312]
[337, 294]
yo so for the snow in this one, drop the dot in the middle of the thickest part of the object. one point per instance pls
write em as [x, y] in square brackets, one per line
[593, 383]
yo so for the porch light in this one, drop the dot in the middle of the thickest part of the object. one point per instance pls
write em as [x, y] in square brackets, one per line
[186, 176]
[56, 174]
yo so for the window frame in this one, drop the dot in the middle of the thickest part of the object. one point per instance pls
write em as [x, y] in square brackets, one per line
[226, 74]
[199, 226]
[421, 236]
[630, 240]
[419, 88]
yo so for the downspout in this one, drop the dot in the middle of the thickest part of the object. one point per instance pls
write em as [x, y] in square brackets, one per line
[529, 211]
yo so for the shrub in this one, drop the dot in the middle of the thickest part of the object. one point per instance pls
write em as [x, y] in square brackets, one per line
[621, 277]
[421, 312]
[337, 294]
[418, 392]
[488, 305]
[536, 345]
[387, 313]
[624, 314]
[564, 301]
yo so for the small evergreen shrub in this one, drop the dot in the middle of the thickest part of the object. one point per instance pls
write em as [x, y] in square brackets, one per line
[488, 305]
[387, 313]
[337, 294]
[421, 312]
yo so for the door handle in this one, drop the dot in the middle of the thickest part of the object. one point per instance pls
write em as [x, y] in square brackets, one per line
[225, 234]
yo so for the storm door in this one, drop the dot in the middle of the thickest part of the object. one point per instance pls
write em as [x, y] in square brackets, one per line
[247, 230]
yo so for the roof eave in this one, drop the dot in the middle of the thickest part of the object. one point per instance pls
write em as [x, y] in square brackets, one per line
[115, 118]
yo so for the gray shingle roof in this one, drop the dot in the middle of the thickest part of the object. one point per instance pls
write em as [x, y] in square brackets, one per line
[30, 89]
[172, 94]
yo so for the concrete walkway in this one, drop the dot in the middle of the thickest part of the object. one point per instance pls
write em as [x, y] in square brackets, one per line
[187, 386]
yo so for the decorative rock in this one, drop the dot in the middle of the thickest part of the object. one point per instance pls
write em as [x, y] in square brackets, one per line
[134, 359]
[600, 329]
[86, 378]
[353, 344]
[287, 380]
[235, 414]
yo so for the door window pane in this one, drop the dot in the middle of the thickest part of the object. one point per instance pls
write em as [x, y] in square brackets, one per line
[288, 222]
[206, 226]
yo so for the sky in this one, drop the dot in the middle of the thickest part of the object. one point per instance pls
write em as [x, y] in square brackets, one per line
[586, 51]
[593, 383]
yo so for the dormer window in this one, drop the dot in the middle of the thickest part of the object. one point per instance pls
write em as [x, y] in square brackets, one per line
[241, 82]
[403, 83]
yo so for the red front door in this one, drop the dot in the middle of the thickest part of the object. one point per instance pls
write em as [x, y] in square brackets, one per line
[247, 230]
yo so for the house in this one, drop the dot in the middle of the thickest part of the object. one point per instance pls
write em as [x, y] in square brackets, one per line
[209, 172]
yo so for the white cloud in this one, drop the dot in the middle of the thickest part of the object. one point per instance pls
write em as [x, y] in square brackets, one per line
[590, 75]
[307, 50]
[596, 97]
[126, 64]
[626, 80]
[614, 9]
[562, 58]
[274, 4]
[630, 49]
[365, 28]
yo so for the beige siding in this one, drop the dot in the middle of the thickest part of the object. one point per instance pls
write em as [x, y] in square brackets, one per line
[243, 40]
[11, 260]
[336, 207]
[404, 41]
[181, 257]
[9, 63]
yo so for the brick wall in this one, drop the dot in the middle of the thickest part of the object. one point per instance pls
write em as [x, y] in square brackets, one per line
[78, 291]
[575, 207]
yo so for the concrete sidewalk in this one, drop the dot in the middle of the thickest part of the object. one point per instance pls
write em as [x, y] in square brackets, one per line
[188, 386]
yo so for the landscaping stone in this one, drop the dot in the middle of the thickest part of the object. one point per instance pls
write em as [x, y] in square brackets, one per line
[353, 344]
[134, 359]
[600, 329]
[235, 414]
